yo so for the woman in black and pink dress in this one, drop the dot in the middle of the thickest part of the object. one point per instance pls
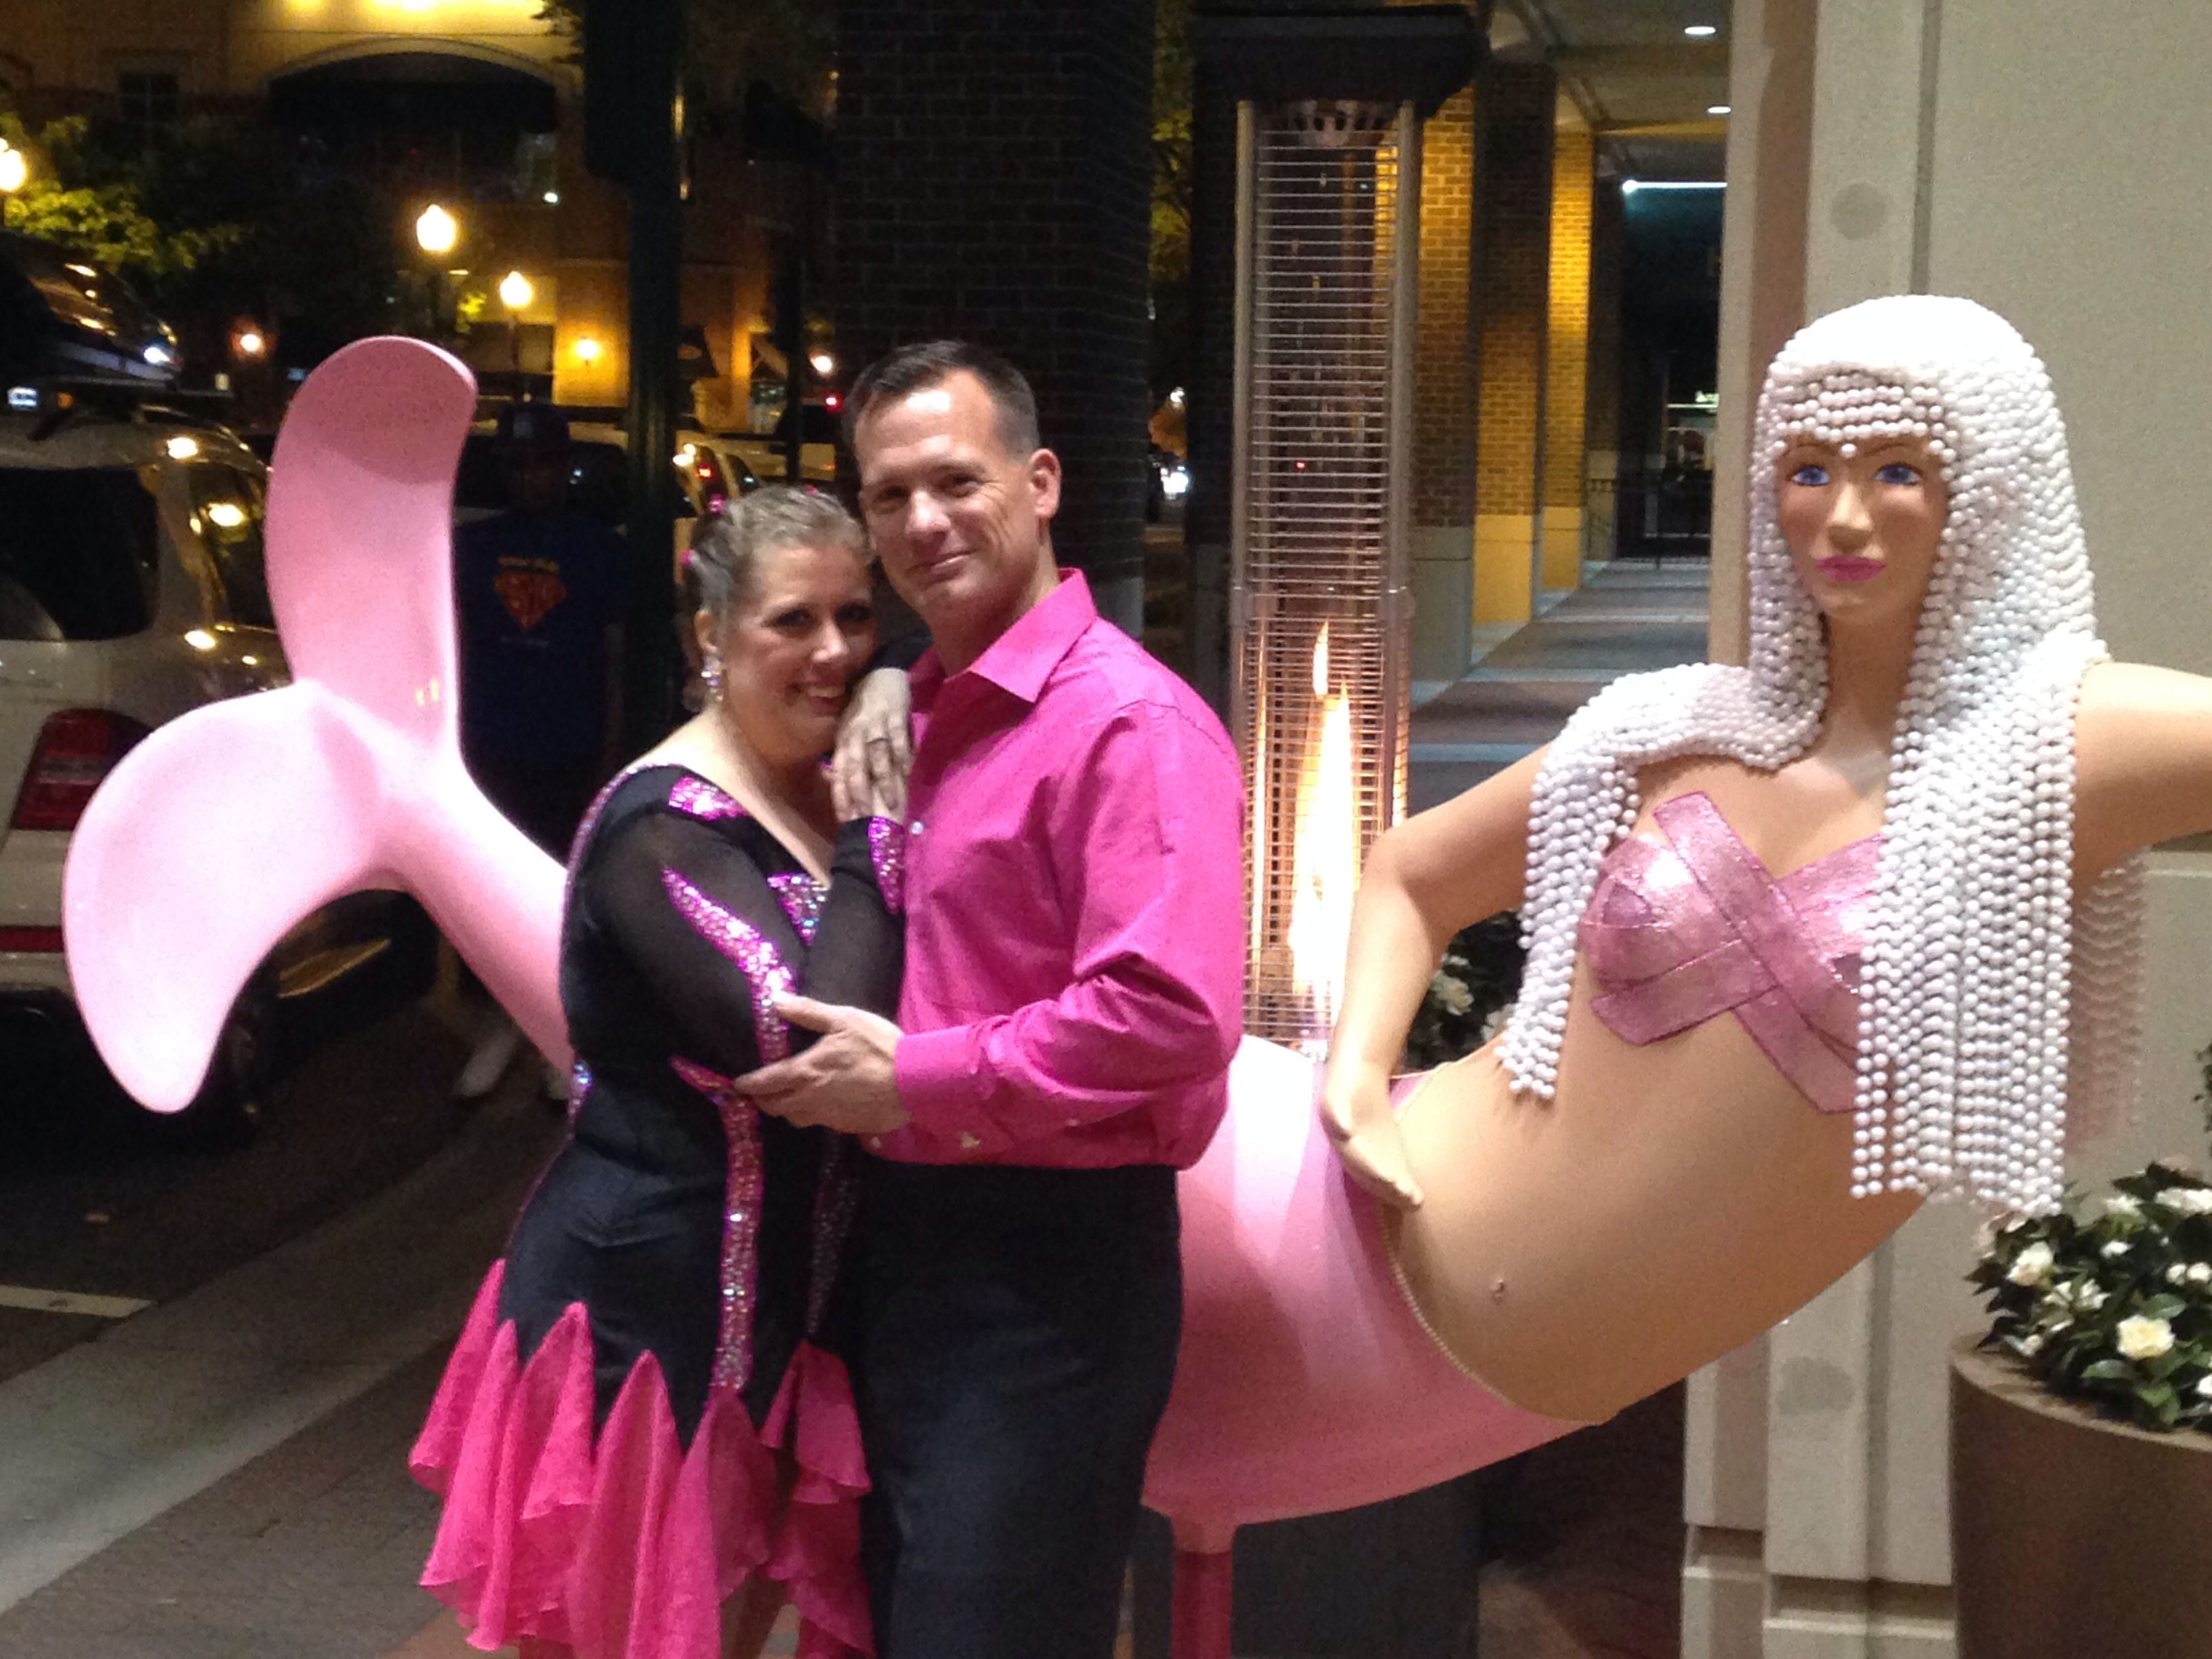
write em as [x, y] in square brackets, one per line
[643, 1448]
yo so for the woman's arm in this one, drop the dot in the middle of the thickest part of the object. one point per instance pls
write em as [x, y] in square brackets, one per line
[1425, 880]
[2143, 762]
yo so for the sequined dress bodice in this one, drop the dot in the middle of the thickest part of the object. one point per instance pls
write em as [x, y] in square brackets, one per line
[1682, 931]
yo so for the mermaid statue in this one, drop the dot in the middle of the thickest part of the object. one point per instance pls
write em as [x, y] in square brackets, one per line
[1810, 940]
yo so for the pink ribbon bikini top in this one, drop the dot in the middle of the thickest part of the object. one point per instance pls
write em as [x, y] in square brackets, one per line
[1679, 932]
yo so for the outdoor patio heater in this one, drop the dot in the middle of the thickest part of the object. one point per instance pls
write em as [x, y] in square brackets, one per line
[1328, 195]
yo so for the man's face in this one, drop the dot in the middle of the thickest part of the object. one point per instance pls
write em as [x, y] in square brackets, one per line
[537, 480]
[957, 519]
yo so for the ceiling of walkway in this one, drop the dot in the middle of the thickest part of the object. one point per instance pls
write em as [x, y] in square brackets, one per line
[1633, 71]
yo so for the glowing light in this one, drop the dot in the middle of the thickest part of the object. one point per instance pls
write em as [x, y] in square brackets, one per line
[1701, 31]
[1718, 109]
[553, 196]
[1325, 852]
[252, 343]
[182, 448]
[226, 515]
[823, 363]
[160, 355]
[1631, 187]
[436, 231]
[14, 168]
[199, 639]
[516, 291]
[586, 350]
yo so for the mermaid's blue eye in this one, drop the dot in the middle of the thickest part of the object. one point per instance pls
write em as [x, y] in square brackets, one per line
[1810, 475]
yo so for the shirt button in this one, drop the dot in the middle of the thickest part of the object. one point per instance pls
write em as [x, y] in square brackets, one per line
[969, 1143]
[915, 828]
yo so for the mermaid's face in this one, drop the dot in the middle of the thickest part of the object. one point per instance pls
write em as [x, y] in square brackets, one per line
[1862, 527]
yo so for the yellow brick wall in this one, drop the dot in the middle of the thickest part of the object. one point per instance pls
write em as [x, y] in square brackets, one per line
[1567, 355]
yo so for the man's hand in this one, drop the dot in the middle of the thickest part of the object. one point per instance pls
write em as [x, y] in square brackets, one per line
[844, 1082]
[867, 774]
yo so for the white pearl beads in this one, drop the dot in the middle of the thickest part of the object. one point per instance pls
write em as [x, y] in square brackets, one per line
[1982, 978]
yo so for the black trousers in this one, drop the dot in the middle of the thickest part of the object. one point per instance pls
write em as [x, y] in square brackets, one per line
[1014, 1337]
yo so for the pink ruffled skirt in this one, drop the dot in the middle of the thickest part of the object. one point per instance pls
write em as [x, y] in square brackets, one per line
[625, 1545]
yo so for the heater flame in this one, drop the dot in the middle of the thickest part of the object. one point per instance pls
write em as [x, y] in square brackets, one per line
[1325, 861]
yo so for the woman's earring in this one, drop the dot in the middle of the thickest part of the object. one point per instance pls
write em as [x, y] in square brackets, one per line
[710, 673]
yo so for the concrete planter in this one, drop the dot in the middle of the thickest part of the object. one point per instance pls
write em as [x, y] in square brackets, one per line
[2071, 1533]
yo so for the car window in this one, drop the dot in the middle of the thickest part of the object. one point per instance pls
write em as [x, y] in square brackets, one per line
[228, 507]
[599, 481]
[77, 553]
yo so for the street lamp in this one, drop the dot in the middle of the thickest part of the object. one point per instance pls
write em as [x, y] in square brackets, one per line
[436, 231]
[15, 173]
[515, 293]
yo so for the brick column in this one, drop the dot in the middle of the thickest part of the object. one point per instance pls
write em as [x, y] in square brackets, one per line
[993, 183]
[1567, 355]
[1444, 397]
[1514, 105]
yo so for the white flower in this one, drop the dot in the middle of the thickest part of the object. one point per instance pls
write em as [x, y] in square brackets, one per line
[1455, 996]
[2031, 1265]
[2031, 1344]
[2176, 1275]
[2126, 1208]
[2144, 1338]
[2088, 1299]
[2115, 1247]
[2200, 1273]
[2205, 1385]
[2187, 1201]
[1494, 1022]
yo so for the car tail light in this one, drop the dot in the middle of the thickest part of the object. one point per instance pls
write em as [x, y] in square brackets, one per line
[77, 748]
[45, 940]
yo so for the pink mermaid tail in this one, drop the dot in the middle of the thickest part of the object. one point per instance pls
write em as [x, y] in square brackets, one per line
[225, 828]
[1305, 1384]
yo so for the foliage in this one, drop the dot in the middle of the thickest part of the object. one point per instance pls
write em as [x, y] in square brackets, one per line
[788, 45]
[2110, 1300]
[1472, 990]
[1171, 153]
[78, 197]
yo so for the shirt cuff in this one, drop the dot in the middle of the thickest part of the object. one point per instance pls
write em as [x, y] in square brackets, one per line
[939, 1078]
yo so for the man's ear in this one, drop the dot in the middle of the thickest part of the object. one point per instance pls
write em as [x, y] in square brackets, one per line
[1044, 479]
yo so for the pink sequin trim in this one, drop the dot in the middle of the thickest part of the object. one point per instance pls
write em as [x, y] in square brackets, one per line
[699, 799]
[801, 896]
[742, 944]
[887, 850]
[836, 1196]
[741, 1210]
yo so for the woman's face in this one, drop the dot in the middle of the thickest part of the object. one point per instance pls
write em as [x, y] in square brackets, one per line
[791, 647]
[1862, 529]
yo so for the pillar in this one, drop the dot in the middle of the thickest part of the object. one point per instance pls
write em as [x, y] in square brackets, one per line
[1443, 398]
[1601, 387]
[1515, 106]
[1567, 352]
[994, 183]
[1816, 1472]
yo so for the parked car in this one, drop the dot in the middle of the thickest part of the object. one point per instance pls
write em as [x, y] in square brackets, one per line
[706, 473]
[131, 589]
[821, 434]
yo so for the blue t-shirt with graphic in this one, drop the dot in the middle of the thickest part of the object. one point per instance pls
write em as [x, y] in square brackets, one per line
[534, 594]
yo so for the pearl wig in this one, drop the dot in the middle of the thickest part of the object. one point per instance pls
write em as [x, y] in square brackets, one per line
[1986, 991]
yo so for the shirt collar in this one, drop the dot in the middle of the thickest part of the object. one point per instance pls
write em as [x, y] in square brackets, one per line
[1022, 659]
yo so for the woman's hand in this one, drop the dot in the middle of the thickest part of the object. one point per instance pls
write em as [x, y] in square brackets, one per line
[1355, 1110]
[867, 774]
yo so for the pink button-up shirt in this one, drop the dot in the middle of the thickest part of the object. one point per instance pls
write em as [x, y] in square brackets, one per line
[1074, 898]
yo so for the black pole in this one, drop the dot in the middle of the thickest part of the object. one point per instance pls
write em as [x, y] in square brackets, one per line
[656, 252]
[791, 329]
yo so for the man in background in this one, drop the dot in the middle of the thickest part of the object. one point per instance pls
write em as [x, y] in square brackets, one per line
[538, 597]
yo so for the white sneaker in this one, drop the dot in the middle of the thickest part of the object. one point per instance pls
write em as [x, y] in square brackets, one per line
[494, 1052]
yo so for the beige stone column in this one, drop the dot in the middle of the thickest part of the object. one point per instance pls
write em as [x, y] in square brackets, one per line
[1444, 397]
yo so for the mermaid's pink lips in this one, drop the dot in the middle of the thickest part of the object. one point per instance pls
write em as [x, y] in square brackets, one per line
[1849, 567]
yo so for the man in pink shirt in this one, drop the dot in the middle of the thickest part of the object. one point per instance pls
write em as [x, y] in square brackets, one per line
[1074, 968]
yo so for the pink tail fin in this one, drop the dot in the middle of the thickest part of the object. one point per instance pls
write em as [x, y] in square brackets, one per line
[229, 824]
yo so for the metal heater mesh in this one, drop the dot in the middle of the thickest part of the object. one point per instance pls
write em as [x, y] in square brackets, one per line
[1318, 571]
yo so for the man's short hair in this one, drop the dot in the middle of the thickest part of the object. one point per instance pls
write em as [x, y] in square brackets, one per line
[917, 367]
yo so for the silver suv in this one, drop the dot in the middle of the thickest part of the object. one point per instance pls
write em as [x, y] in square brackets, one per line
[131, 589]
